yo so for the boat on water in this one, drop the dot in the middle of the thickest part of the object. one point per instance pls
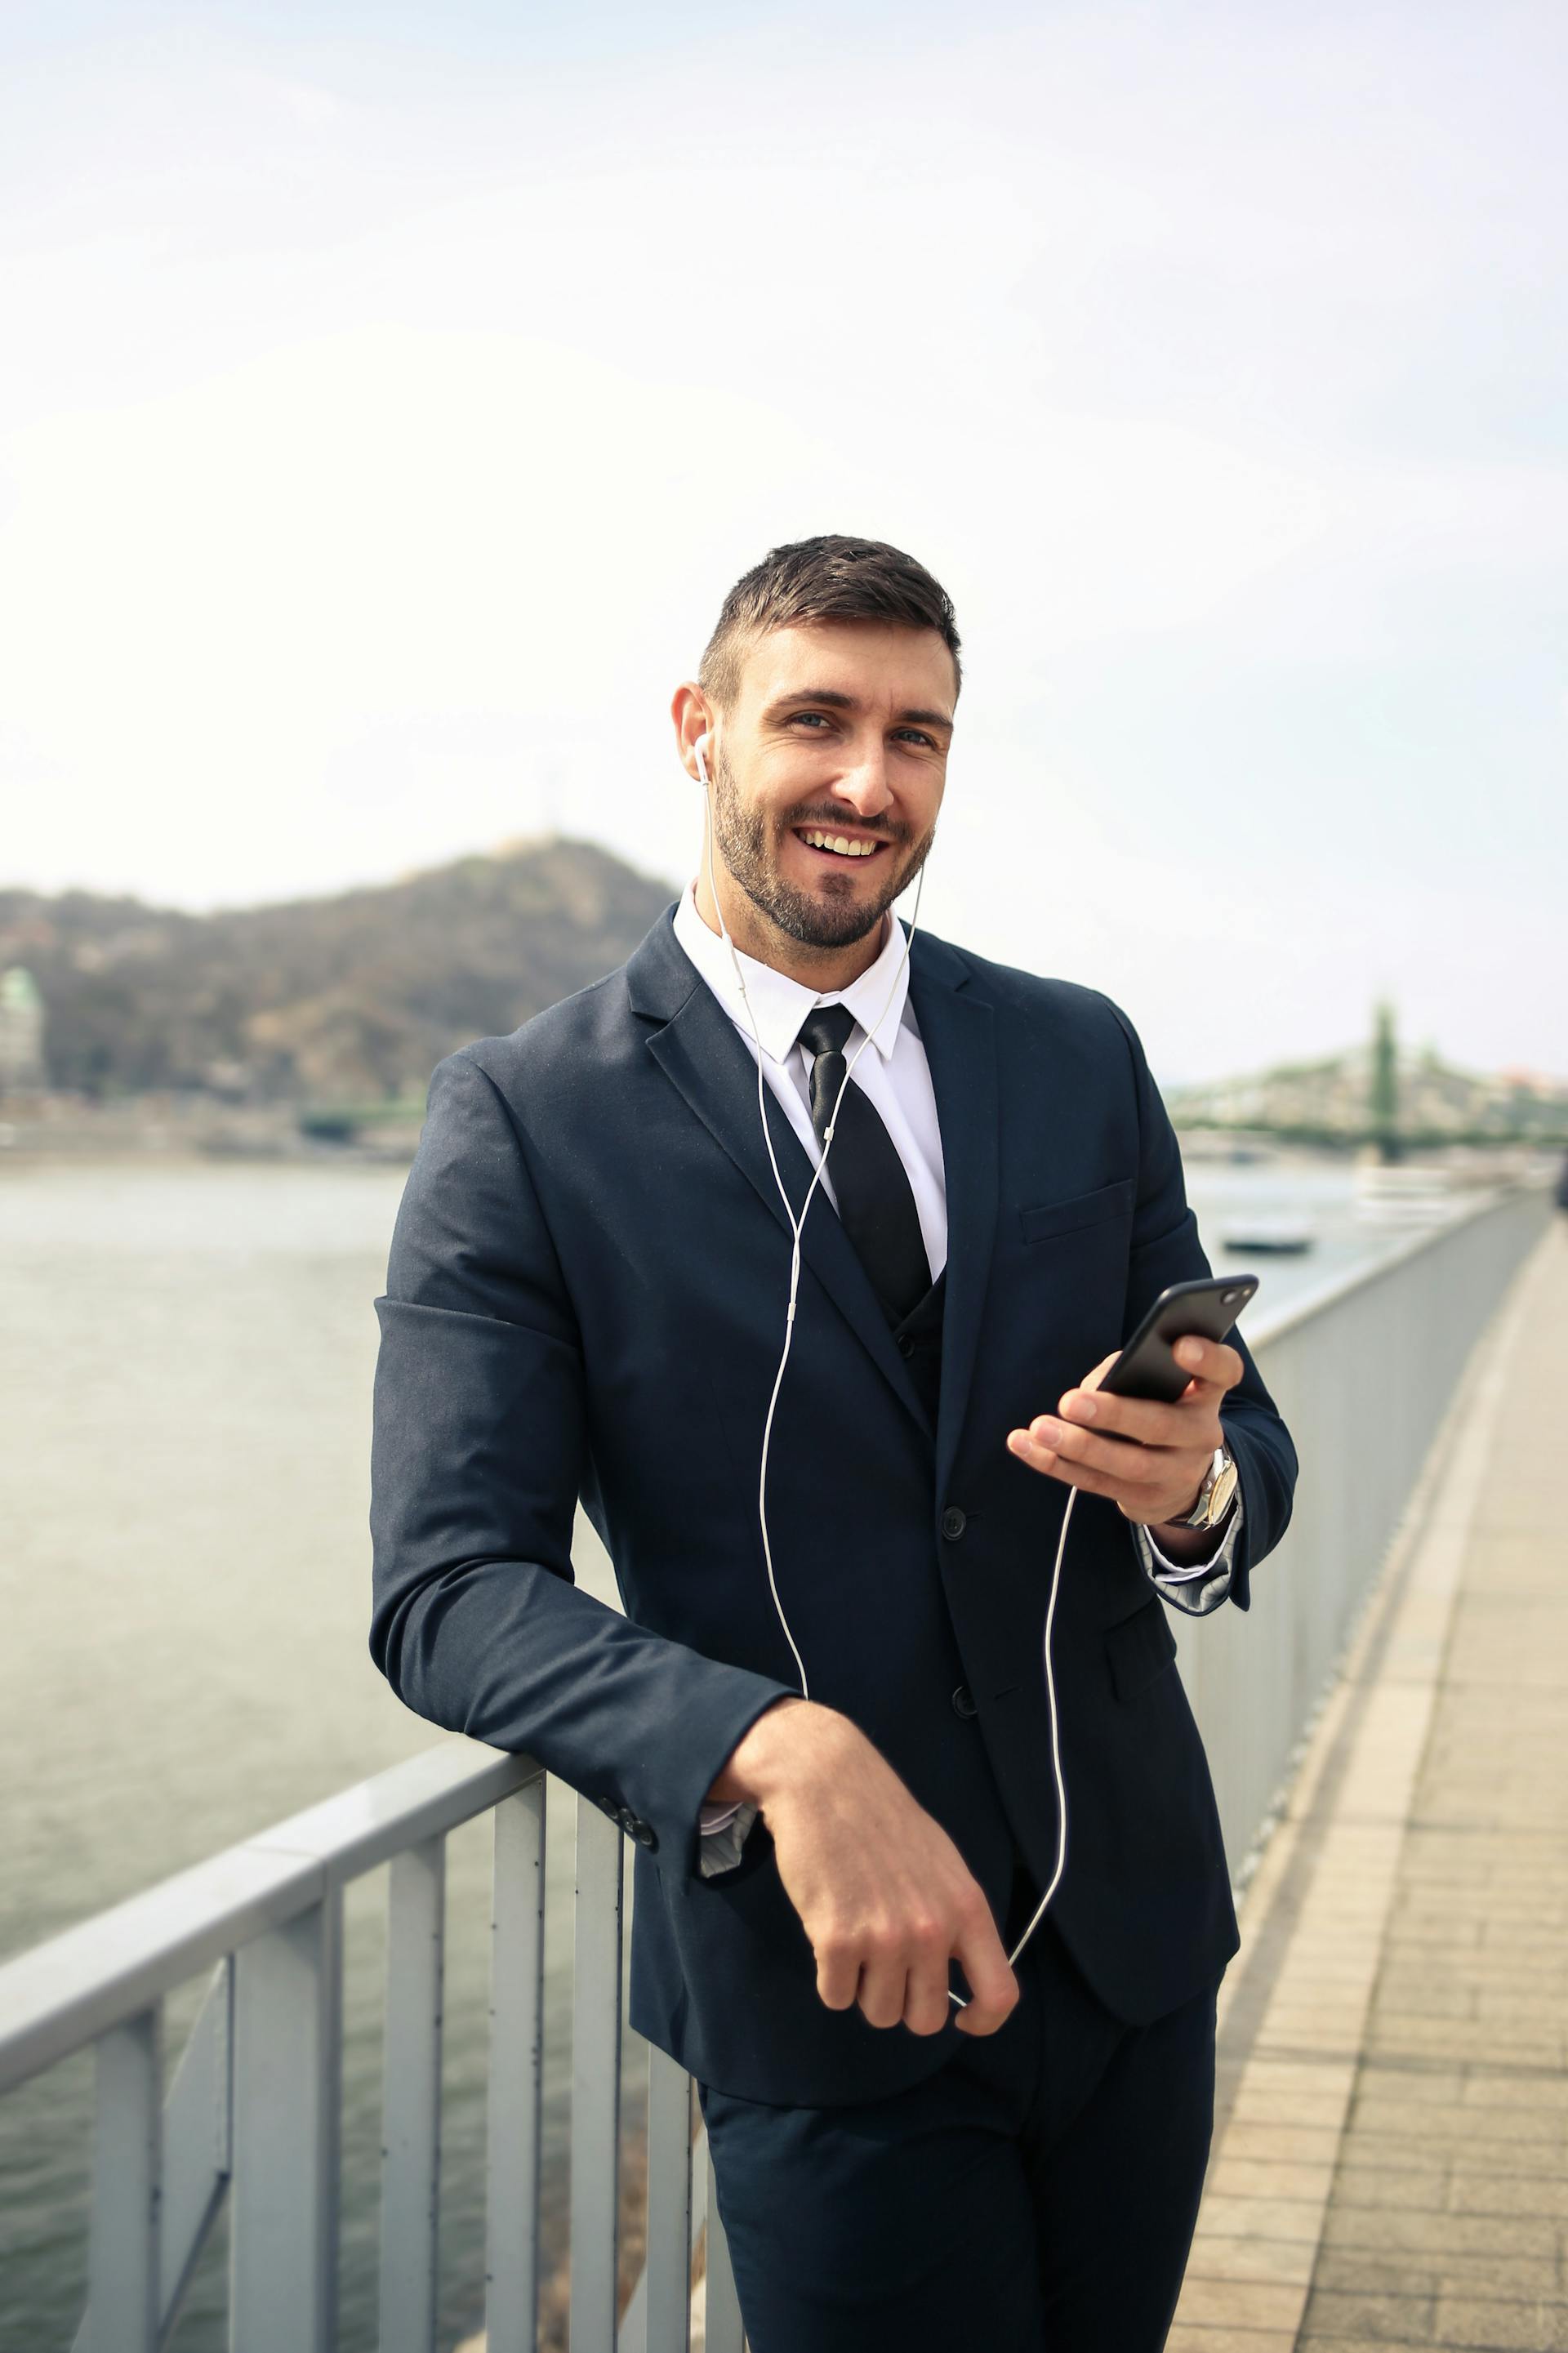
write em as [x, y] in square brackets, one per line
[1283, 1236]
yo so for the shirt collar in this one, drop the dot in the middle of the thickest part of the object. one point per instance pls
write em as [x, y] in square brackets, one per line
[778, 1004]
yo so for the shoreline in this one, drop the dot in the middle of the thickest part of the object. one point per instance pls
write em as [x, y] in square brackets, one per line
[194, 1129]
[172, 1129]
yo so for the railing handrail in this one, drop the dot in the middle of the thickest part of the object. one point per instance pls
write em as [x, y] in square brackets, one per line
[1315, 1299]
[64, 1993]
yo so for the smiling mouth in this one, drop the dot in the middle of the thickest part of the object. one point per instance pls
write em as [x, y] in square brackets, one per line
[845, 850]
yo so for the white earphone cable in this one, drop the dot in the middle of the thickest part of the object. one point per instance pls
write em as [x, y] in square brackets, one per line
[796, 1225]
[1062, 1861]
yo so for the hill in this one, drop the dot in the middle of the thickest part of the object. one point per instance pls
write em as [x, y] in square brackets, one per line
[356, 995]
[1337, 1098]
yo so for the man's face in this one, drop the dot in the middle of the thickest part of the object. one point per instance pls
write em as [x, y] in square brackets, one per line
[839, 729]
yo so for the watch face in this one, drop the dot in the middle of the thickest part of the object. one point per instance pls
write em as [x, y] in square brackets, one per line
[1222, 1490]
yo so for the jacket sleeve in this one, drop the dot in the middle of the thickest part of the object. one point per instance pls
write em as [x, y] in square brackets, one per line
[1167, 1249]
[476, 1456]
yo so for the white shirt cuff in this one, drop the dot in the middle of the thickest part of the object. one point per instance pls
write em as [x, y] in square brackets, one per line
[1196, 1586]
[724, 1829]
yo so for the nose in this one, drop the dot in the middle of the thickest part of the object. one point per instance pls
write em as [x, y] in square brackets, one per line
[863, 784]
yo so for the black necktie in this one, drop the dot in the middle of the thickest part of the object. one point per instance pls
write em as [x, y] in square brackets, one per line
[876, 1206]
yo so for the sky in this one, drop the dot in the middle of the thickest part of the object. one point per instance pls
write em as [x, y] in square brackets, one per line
[388, 398]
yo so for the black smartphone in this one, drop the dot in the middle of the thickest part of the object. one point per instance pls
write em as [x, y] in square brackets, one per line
[1146, 1367]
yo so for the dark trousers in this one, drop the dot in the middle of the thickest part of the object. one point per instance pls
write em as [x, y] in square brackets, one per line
[1036, 2194]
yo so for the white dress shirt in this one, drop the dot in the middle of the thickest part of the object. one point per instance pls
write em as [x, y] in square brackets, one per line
[894, 1075]
[892, 1072]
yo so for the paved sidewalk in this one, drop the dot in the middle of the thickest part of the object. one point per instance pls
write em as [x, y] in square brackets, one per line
[1391, 2163]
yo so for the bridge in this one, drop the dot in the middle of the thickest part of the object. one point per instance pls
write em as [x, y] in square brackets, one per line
[1386, 1733]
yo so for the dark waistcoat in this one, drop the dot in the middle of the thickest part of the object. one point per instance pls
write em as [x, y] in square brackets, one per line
[918, 1338]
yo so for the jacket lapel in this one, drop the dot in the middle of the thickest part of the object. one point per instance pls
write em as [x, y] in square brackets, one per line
[699, 1051]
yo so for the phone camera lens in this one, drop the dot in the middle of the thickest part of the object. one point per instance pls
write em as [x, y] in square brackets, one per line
[1231, 1296]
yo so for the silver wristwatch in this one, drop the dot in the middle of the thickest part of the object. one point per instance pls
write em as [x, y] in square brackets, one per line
[1215, 1494]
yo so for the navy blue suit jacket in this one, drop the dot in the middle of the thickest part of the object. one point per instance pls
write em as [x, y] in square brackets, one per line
[586, 1297]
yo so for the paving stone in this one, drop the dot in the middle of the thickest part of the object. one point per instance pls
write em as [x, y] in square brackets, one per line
[1436, 2084]
[1385, 2186]
[1387, 2271]
[1457, 2125]
[1227, 2216]
[1259, 2178]
[1241, 2303]
[1286, 2261]
[1478, 2090]
[1440, 2234]
[1291, 2143]
[1203, 2339]
[1509, 2194]
[1290, 2110]
[1533, 2328]
[1379, 2319]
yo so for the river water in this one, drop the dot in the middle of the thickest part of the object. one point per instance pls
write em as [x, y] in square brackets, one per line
[185, 1403]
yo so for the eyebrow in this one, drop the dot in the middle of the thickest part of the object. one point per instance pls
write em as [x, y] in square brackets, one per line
[838, 701]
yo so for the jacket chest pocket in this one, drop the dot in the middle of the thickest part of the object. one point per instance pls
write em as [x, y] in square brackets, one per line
[1104, 1204]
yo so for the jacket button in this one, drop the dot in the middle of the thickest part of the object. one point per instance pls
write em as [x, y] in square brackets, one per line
[952, 1523]
[906, 1343]
[963, 1702]
[644, 1833]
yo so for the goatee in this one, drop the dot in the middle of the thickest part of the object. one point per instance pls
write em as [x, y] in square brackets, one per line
[744, 838]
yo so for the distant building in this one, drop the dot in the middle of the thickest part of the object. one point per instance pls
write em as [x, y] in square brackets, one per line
[21, 1030]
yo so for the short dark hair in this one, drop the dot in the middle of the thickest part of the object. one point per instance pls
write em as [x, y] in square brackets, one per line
[830, 578]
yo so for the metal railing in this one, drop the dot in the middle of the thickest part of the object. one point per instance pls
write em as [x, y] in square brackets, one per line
[1363, 1370]
[252, 2112]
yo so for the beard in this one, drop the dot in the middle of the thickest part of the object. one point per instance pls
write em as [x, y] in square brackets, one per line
[748, 844]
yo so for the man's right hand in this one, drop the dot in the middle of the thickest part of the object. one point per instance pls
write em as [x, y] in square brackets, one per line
[883, 1893]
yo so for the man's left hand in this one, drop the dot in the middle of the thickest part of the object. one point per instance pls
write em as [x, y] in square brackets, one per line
[1150, 1458]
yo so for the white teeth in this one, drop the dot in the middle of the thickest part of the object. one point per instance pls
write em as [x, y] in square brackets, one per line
[838, 842]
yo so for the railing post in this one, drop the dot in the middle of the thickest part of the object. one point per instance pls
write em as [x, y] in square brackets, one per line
[668, 2272]
[596, 2082]
[411, 2097]
[288, 2063]
[127, 2186]
[517, 2033]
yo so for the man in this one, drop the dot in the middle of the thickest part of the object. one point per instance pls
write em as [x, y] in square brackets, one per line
[916, 2148]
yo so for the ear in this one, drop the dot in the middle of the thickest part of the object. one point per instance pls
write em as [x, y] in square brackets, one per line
[695, 722]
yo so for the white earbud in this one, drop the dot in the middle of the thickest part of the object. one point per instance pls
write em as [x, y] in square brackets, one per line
[700, 749]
